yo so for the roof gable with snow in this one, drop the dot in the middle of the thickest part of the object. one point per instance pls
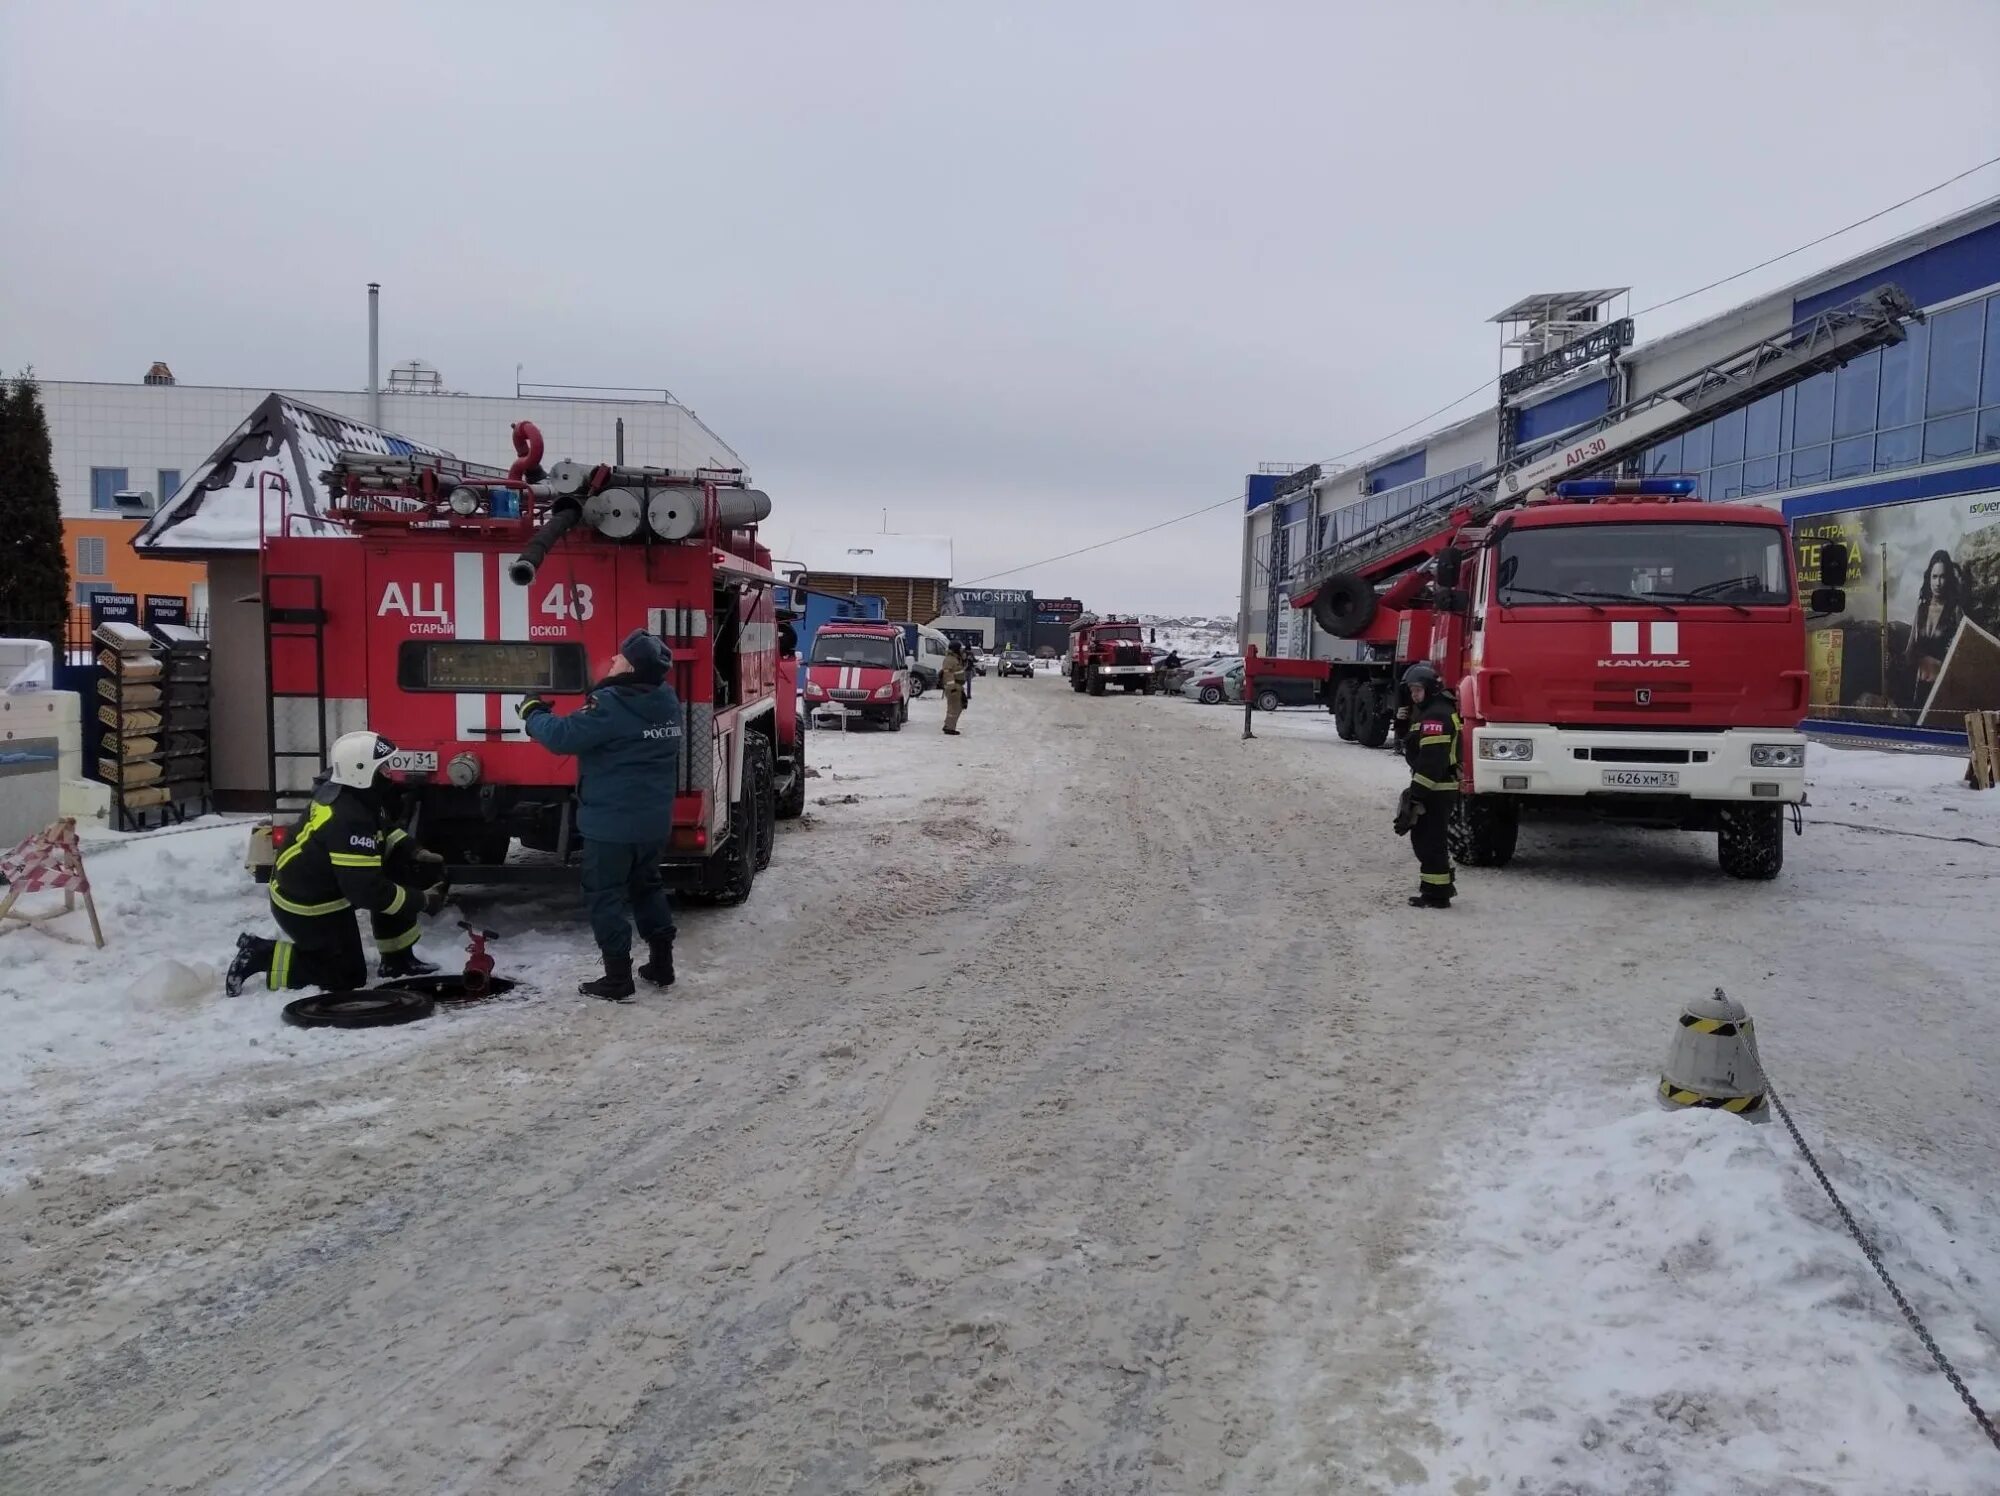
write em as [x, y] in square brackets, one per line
[281, 451]
[831, 554]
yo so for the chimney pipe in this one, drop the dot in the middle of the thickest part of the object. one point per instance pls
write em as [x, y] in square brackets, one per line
[375, 353]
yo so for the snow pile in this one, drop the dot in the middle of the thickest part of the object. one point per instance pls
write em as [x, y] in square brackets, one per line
[1911, 793]
[1667, 1302]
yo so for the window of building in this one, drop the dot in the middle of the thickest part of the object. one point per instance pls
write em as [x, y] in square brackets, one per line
[85, 591]
[1728, 440]
[1903, 379]
[170, 479]
[1893, 449]
[90, 556]
[1812, 411]
[1951, 436]
[1855, 388]
[104, 483]
[1954, 369]
[1989, 383]
[1760, 436]
[1933, 397]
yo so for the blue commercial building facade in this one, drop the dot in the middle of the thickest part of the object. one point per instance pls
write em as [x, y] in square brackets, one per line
[1896, 455]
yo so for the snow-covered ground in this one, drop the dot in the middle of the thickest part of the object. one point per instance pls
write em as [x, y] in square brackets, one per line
[1074, 1101]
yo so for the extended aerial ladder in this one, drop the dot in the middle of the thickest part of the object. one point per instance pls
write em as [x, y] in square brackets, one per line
[1333, 581]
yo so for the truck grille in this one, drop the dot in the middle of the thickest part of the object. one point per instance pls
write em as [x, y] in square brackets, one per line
[1642, 755]
[848, 695]
[1126, 654]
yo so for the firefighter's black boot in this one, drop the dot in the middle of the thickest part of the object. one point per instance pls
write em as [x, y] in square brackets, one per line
[253, 959]
[404, 964]
[659, 968]
[616, 984]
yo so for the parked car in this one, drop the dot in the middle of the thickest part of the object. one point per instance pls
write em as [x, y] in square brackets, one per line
[1221, 681]
[1016, 662]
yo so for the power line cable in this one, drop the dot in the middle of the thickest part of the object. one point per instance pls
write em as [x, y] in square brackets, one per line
[1487, 384]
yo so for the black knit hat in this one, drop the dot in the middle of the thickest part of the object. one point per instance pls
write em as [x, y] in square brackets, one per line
[648, 656]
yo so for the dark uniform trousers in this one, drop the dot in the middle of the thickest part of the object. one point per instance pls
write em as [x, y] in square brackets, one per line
[1431, 747]
[625, 875]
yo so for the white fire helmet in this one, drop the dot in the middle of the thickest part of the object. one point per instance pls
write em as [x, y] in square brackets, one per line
[358, 757]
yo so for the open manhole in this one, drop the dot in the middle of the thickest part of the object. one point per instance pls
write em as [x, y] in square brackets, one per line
[450, 987]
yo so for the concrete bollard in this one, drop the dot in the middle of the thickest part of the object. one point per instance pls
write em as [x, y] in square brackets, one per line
[1713, 1059]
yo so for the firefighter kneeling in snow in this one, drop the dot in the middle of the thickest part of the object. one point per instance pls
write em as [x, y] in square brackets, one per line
[627, 742]
[344, 856]
[1430, 747]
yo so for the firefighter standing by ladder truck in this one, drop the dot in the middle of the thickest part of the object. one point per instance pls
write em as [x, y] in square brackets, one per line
[1430, 747]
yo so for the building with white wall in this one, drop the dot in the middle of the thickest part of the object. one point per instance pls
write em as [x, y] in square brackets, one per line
[1897, 455]
[146, 439]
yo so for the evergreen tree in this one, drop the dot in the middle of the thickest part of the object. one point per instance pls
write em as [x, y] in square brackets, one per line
[34, 564]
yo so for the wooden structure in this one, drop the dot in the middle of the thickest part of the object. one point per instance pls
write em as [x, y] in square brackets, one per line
[47, 862]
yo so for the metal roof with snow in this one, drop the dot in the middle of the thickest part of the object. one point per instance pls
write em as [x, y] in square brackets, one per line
[831, 554]
[281, 442]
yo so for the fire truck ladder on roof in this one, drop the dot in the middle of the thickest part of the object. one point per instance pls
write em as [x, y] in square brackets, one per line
[1822, 342]
[294, 625]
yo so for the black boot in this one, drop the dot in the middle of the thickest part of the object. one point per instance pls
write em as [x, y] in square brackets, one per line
[404, 963]
[659, 968]
[616, 984]
[253, 959]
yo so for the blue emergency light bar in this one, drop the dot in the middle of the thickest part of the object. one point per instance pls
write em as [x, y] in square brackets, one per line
[1604, 488]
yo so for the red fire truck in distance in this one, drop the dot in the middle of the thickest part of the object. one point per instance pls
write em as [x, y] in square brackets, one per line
[433, 596]
[1620, 652]
[1108, 651]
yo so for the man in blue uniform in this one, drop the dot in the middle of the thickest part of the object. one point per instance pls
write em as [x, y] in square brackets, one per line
[627, 742]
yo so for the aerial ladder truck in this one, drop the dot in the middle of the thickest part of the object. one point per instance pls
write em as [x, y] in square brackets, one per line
[1621, 651]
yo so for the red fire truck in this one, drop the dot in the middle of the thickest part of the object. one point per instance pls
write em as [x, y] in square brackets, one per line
[860, 666]
[1107, 651]
[1620, 652]
[433, 596]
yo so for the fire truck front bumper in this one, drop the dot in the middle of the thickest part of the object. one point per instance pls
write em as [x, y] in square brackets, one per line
[1115, 671]
[1738, 764]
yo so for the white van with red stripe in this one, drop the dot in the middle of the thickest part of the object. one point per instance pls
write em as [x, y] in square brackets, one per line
[861, 668]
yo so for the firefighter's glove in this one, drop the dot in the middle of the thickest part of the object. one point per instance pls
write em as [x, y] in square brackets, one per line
[435, 897]
[530, 705]
[1408, 811]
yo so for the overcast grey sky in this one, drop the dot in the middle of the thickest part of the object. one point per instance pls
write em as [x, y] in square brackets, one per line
[1028, 274]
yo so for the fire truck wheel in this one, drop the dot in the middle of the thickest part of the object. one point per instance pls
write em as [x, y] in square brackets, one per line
[1343, 710]
[1076, 681]
[1267, 701]
[1094, 684]
[733, 870]
[1751, 843]
[760, 766]
[894, 720]
[1484, 830]
[1371, 717]
[792, 798]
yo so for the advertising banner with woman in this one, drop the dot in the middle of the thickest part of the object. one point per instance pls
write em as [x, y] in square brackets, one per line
[1919, 642]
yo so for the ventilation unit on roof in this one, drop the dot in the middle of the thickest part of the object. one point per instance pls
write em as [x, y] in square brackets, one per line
[1555, 332]
[159, 373]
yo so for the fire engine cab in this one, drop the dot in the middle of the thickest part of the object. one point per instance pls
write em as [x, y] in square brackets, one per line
[432, 597]
[1620, 651]
[860, 667]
